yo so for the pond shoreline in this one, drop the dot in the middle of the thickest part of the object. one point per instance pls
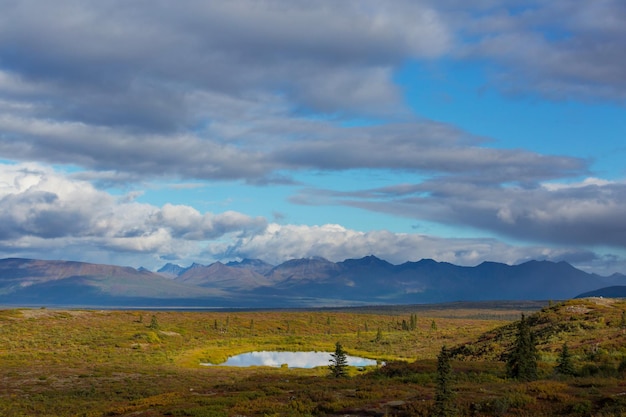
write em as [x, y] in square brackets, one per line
[290, 359]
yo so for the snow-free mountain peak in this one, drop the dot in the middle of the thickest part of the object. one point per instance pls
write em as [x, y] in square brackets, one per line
[295, 283]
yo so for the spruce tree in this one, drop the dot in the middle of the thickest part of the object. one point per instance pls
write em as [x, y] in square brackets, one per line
[379, 335]
[564, 362]
[522, 361]
[444, 395]
[154, 323]
[338, 362]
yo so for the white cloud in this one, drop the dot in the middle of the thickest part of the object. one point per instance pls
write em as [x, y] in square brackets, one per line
[555, 186]
[38, 204]
[279, 243]
[48, 214]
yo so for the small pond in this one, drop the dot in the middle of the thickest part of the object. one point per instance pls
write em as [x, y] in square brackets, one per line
[291, 359]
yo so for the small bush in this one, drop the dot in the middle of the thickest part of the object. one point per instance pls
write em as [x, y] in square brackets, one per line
[582, 408]
[604, 370]
[547, 390]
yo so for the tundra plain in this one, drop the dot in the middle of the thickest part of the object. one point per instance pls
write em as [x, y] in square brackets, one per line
[57, 362]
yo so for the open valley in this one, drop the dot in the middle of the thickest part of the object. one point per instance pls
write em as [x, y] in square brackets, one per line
[148, 363]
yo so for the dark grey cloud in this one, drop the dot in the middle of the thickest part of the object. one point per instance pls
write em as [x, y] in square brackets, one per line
[560, 49]
[109, 56]
[588, 213]
[204, 90]
[265, 151]
[426, 147]
[103, 148]
[221, 90]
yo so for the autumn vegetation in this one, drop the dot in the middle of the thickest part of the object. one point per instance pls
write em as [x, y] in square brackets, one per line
[432, 361]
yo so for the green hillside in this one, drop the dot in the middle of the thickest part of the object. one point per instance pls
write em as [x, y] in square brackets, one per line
[592, 327]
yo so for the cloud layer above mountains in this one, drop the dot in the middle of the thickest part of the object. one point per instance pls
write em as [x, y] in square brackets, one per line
[59, 216]
[98, 97]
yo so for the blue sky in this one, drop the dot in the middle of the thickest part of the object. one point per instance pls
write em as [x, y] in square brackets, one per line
[458, 94]
[139, 133]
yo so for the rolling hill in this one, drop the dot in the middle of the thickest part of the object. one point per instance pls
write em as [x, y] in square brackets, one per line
[592, 327]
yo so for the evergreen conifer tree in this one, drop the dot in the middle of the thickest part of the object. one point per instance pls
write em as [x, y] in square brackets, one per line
[379, 335]
[564, 362]
[338, 362]
[444, 395]
[154, 323]
[522, 361]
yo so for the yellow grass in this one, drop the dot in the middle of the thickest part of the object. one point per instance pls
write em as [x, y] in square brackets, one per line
[107, 363]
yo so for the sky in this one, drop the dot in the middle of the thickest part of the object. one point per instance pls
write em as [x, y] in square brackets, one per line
[144, 132]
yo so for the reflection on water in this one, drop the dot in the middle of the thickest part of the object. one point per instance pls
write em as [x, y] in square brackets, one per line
[291, 359]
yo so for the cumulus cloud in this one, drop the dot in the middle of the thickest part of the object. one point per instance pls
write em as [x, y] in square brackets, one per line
[48, 214]
[279, 243]
[38, 204]
[187, 223]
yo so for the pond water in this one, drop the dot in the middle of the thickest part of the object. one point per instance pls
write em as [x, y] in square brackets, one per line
[291, 359]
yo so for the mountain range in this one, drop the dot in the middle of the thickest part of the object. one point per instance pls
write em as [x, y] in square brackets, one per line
[295, 283]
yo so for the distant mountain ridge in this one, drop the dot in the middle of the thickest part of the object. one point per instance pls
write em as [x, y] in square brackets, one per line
[171, 270]
[32, 281]
[614, 291]
[256, 265]
[294, 283]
